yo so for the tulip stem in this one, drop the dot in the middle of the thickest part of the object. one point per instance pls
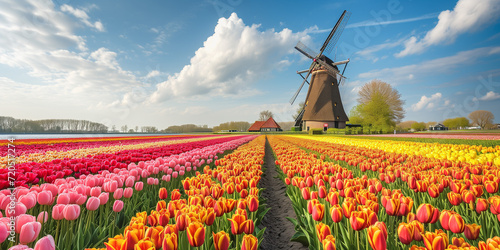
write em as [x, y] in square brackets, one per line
[357, 237]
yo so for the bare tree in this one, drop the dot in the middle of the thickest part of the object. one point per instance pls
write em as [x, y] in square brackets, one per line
[391, 96]
[406, 124]
[481, 118]
[264, 115]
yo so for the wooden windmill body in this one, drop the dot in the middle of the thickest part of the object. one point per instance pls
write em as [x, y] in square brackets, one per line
[323, 107]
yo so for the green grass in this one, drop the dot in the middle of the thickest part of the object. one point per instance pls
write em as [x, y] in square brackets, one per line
[484, 143]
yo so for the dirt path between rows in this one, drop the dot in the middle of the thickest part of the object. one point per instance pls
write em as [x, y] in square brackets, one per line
[279, 230]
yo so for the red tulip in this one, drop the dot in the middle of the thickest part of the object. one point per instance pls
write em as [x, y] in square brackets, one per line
[377, 238]
[237, 223]
[358, 220]
[418, 230]
[405, 233]
[249, 242]
[248, 226]
[491, 186]
[329, 243]
[471, 231]
[444, 219]
[163, 194]
[425, 213]
[196, 234]
[454, 198]
[318, 211]
[456, 223]
[169, 241]
[481, 205]
[336, 213]
[221, 240]
[322, 231]
[253, 203]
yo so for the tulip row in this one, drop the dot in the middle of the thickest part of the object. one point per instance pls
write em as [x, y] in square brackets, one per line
[74, 227]
[119, 157]
[316, 185]
[95, 149]
[471, 154]
[218, 201]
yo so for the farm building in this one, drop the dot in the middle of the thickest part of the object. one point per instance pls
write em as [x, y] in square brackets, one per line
[265, 126]
[438, 126]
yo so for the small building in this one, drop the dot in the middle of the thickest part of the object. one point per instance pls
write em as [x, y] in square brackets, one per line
[438, 126]
[265, 126]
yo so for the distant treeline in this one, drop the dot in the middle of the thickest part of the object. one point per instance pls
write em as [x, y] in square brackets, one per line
[239, 126]
[187, 128]
[13, 125]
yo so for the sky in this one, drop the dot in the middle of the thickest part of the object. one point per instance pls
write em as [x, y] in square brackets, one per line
[163, 63]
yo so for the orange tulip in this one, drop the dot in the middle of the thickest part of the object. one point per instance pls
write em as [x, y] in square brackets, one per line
[170, 241]
[175, 194]
[249, 242]
[155, 235]
[219, 208]
[456, 223]
[196, 234]
[253, 203]
[322, 231]
[163, 194]
[221, 240]
[237, 223]
[392, 206]
[242, 203]
[434, 241]
[491, 186]
[306, 194]
[329, 243]
[348, 208]
[377, 238]
[333, 198]
[425, 213]
[454, 198]
[444, 219]
[116, 243]
[209, 217]
[318, 212]
[310, 205]
[230, 205]
[134, 234]
[182, 221]
[471, 231]
[410, 217]
[144, 244]
[358, 220]
[433, 190]
[170, 229]
[336, 213]
[481, 205]
[405, 233]
[418, 230]
[248, 226]
[459, 242]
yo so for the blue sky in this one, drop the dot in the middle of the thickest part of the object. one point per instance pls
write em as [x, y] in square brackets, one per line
[206, 62]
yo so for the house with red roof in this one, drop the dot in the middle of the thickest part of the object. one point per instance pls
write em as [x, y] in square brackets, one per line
[265, 126]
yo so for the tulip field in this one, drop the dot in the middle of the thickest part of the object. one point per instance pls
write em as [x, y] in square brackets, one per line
[204, 192]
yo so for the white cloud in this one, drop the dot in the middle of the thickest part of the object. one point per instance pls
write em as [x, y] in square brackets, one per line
[427, 102]
[83, 16]
[467, 16]
[369, 52]
[490, 96]
[375, 23]
[230, 60]
[441, 65]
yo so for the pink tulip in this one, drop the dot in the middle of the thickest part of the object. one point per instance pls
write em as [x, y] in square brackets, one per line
[169, 171]
[95, 191]
[74, 196]
[188, 164]
[4, 233]
[104, 197]
[118, 194]
[4, 202]
[177, 167]
[20, 191]
[129, 182]
[113, 185]
[63, 198]
[188, 169]
[71, 212]
[118, 206]
[29, 232]
[181, 173]
[19, 209]
[42, 217]
[81, 200]
[150, 181]
[29, 200]
[134, 172]
[45, 198]
[20, 247]
[139, 186]
[93, 203]
[168, 178]
[57, 212]
[127, 193]
[23, 219]
[175, 174]
[51, 188]
[45, 243]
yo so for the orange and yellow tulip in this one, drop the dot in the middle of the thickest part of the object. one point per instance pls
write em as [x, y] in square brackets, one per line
[318, 212]
[221, 240]
[405, 233]
[322, 231]
[329, 243]
[336, 213]
[249, 242]
[196, 234]
[237, 223]
[471, 231]
[116, 243]
[377, 237]
[456, 223]
[145, 244]
[170, 241]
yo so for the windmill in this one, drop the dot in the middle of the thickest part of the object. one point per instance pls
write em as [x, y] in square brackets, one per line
[323, 107]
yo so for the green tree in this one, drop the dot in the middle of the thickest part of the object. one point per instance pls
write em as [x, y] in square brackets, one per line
[390, 97]
[456, 123]
[355, 115]
[376, 113]
[418, 126]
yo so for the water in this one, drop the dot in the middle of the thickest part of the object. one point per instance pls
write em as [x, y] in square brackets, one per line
[51, 136]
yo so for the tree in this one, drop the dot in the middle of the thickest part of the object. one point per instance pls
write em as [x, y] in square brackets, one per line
[299, 109]
[124, 129]
[390, 97]
[406, 125]
[355, 115]
[482, 118]
[264, 115]
[458, 122]
[240, 126]
[418, 126]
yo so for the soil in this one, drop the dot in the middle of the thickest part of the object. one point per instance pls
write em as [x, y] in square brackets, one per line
[279, 230]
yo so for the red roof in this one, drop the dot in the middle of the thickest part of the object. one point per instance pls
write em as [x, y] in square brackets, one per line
[270, 123]
[256, 126]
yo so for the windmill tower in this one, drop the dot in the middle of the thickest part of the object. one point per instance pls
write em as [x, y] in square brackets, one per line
[323, 107]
